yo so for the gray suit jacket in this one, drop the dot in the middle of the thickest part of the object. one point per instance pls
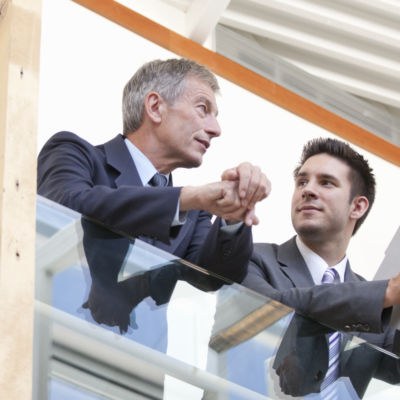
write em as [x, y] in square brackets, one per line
[279, 272]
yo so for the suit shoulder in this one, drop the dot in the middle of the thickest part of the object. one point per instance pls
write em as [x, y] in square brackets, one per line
[360, 278]
[67, 137]
[67, 148]
[68, 143]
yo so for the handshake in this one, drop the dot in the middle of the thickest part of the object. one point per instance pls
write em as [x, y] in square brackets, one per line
[233, 198]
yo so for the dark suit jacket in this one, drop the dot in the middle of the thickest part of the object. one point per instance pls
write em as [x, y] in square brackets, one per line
[280, 272]
[102, 183]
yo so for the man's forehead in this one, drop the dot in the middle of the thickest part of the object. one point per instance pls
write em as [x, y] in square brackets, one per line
[324, 164]
[199, 90]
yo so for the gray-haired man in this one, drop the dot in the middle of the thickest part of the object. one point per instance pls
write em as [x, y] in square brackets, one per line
[169, 119]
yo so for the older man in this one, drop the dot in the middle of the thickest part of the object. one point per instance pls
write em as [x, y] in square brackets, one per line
[169, 120]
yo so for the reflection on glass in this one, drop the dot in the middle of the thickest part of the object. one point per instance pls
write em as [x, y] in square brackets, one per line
[112, 300]
[118, 318]
[301, 362]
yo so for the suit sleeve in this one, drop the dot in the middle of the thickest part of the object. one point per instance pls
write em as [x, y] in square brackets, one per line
[69, 173]
[349, 306]
[223, 253]
[227, 253]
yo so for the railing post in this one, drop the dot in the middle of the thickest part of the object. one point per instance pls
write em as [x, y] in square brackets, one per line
[20, 26]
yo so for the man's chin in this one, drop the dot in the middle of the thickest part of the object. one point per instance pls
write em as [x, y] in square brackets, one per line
[192, 163]
[308, 230]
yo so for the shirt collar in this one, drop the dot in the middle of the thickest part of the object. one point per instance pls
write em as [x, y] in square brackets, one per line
[317, 265]
[145, 168]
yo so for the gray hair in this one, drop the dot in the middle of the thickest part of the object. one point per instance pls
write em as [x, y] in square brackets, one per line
[167, 78]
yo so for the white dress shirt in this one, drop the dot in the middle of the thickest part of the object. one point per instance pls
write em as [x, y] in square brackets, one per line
[317, 265]
[146, 171]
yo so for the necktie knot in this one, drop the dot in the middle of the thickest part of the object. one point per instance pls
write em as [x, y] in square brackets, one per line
[158, 180]
[330, 276]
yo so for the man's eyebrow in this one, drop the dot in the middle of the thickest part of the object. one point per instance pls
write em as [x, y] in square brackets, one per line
[304, 174]
[328, 176]
[301, 174]
[208, 104]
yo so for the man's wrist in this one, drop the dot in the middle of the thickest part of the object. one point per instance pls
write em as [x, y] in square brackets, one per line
[388, 299]
[232, 221]
[189, 199]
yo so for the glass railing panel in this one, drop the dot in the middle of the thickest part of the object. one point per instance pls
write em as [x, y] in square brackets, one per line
[118, 318]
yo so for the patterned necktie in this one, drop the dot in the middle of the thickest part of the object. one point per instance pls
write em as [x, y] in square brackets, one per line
[331, 276]
[158, 180]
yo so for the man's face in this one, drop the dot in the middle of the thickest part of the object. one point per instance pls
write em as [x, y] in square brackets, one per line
[321, 204]
[189, 124]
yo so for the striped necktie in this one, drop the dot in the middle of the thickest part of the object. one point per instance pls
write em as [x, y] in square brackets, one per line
[331, 276]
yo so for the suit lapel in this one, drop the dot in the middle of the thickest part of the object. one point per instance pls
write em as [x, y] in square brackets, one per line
[118, 157]
[349, 275]
[293, 265]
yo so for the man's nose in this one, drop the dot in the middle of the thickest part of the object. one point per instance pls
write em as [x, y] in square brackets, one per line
[308, 192]
[212, 127]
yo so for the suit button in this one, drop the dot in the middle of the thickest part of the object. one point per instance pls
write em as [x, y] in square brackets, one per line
[318, 375]
[227, 252]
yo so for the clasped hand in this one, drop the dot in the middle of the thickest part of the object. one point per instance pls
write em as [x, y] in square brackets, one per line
[249, 185]
[233, 198]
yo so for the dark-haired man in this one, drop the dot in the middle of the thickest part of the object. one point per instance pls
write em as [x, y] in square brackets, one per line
[334, 191]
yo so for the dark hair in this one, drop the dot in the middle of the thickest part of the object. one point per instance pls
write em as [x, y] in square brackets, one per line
[361, 175]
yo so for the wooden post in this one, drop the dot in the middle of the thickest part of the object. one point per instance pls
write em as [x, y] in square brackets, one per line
[20, 25]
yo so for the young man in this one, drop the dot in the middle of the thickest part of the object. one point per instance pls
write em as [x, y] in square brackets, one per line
[169, 120]
[334, 191]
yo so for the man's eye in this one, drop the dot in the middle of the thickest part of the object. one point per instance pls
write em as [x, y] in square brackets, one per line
[301, 183]
[203, 108]
[327, 183]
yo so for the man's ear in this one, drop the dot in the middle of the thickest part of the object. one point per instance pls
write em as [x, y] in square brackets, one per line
[359, 207]
[153, 107]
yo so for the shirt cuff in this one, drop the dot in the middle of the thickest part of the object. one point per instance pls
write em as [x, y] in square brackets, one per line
[232, 229]
[180, 216]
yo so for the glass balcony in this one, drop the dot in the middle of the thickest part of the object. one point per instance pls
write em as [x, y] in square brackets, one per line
[116, 318]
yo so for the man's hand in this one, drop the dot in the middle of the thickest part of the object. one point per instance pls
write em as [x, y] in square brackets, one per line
[112, 305]
[253, 186]
[392, 295]
[292, 376]
[233, 198]
[218, 198]
[108, 306]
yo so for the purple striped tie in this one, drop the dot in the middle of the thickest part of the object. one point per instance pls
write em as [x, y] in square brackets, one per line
[331, 276]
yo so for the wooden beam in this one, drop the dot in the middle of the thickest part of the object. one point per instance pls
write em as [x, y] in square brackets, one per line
[20, 24]
[244, 77]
